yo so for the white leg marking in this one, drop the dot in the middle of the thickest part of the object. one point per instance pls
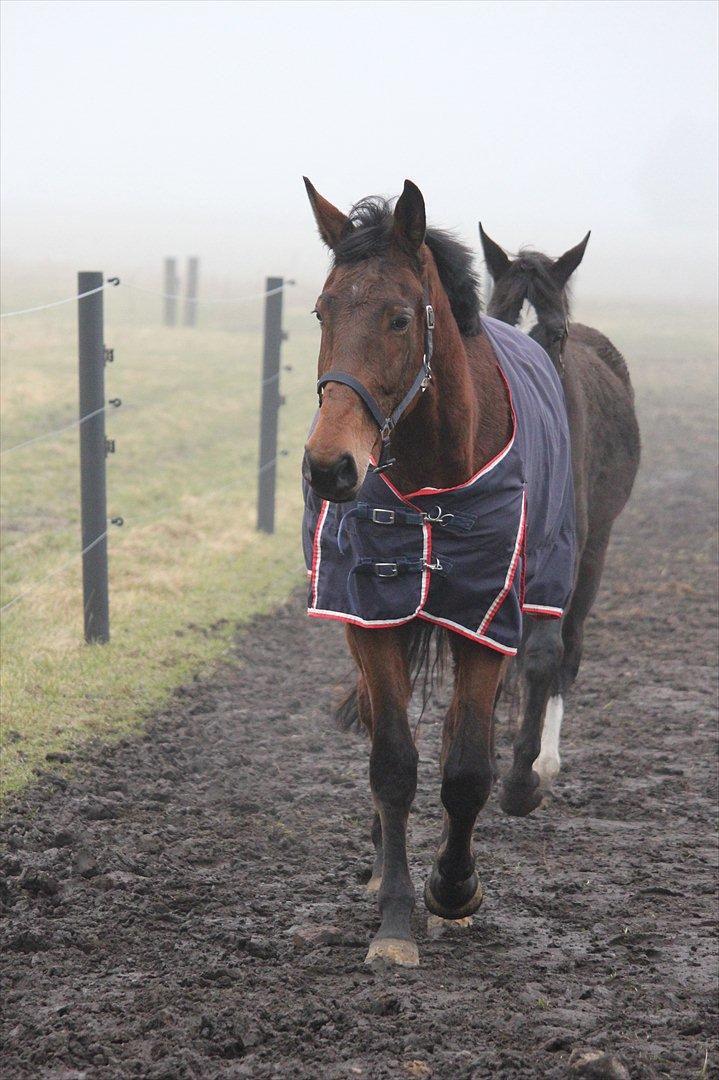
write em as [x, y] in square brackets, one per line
[548, 762]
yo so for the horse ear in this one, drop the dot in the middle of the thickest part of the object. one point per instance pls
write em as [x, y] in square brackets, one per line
[410, 221]
[331, 222]
[567, 263]
[497, 260]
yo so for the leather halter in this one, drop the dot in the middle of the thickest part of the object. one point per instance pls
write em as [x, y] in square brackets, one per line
[387, 424]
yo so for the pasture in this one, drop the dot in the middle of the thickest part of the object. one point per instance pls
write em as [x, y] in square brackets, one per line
[187, 564]
[189, 900]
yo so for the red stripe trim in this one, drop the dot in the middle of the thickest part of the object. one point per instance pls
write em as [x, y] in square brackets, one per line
[539, 609]
[315, 613]
[479, 639]
[316, 554]
[511, 570]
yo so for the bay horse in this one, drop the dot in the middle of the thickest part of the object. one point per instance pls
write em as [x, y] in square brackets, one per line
[422, 447]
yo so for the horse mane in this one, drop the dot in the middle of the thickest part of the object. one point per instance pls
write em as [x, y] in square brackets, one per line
[530, 278]
[369, 233]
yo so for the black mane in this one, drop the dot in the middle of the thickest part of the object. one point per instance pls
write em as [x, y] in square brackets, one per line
[369, 233]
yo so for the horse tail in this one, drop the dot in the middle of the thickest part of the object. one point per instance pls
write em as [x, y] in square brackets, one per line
[427, 651]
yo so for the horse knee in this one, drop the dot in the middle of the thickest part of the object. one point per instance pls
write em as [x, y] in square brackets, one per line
[466, 775]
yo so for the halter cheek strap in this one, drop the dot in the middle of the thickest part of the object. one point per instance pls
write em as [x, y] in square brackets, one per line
[387, 424]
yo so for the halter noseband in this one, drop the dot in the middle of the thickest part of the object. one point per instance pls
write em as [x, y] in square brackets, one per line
[387, 424]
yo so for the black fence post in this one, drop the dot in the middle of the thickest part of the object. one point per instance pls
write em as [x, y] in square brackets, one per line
[193, 271]
[170, 290]
[270, 407]
[93, 449]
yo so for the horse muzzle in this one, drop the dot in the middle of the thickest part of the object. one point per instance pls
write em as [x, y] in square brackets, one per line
[337, 480]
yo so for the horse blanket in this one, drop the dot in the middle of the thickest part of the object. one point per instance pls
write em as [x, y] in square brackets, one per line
[471, 558]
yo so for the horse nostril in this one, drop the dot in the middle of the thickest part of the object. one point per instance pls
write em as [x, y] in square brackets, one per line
[345, 473]
[336, 481]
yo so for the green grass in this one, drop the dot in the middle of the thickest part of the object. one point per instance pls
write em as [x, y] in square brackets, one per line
[188, 565]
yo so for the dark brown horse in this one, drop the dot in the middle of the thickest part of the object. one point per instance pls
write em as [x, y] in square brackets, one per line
[397, 294]
[605, 435]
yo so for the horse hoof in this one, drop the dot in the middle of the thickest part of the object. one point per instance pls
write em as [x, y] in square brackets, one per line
[436, 925]
[374, 883]
[519, 797]
[393, 951]
[460, 911]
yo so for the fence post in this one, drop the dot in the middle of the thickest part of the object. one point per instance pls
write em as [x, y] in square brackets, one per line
[270, 407]
[193, 269]
[93, 449]
[170, 290]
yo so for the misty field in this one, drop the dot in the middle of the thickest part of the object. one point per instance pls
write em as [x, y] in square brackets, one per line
[187, 565]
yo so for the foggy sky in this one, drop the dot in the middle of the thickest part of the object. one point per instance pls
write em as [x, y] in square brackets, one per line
[132, 130]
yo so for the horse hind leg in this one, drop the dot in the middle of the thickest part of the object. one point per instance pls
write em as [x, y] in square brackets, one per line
[522, 789]
[585, 592]
[548, 764]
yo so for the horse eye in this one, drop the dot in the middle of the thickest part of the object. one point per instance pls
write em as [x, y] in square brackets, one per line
[400, 322]
[316, 312]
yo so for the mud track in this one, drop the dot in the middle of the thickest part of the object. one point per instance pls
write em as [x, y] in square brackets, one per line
[154, 889]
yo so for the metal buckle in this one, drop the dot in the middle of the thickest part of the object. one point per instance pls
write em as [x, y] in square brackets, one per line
[386, 569]
[429, 313]
[382, 517]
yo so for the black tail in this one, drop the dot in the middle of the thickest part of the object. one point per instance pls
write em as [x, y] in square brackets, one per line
[347, 713]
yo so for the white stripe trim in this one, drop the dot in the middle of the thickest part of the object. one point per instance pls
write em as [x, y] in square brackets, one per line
[317, 550]
[482, 639]
[344, 617]
[511, 571]
[542, 609]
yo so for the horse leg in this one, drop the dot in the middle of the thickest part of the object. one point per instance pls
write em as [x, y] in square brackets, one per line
[521, 791]
[591, 566]
[452, 889]
[393, 780]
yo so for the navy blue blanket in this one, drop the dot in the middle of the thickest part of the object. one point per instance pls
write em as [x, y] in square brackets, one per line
[473, 557]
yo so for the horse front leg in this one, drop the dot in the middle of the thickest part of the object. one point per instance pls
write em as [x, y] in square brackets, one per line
[452, 889]
[393, 780]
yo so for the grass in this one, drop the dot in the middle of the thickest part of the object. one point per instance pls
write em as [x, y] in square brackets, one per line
[188, 565]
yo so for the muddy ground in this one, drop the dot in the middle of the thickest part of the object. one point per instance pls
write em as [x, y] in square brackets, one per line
[154, 889]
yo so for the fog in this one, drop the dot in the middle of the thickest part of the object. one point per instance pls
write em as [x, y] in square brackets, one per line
[132, 130]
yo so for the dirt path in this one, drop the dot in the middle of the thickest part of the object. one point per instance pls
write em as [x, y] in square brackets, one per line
[152, 895]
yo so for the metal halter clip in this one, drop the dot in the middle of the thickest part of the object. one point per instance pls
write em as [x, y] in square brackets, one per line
[439, 518]
[429, 313]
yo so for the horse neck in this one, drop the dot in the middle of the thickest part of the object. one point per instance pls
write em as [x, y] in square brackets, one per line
[463, 420]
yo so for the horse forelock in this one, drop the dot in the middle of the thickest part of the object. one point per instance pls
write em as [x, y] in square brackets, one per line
[369, 234]
[530, 278]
